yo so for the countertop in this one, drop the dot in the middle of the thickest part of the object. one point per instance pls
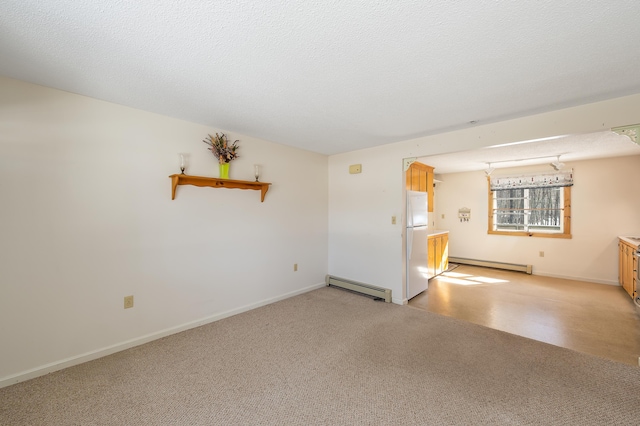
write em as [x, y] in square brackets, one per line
[431, 232]
[631, 239]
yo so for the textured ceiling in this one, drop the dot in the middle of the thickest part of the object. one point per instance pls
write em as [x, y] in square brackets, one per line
[328, 75]
[568, 148]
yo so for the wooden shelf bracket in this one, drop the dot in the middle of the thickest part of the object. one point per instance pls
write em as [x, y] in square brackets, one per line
[180, 179]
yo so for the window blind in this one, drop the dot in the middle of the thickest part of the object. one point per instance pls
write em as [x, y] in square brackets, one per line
[538, 180]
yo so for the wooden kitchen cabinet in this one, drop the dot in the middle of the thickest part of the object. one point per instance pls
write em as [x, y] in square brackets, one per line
[420, 178]
[634, 278]
[627, 267]
[438, 254]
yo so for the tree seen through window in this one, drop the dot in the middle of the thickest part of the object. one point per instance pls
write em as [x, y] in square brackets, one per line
[528, 209]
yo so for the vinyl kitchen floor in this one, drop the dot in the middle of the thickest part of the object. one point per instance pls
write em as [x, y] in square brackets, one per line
[597, 319]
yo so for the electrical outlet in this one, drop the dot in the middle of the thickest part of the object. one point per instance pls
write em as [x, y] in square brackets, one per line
[393, 220]
[443, 215]
[295, 267]
[541, 254]
[128, 302]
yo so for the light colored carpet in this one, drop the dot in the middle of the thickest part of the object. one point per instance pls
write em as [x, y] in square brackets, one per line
[333, 358]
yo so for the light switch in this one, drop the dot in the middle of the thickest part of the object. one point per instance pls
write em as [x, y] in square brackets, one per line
[355, 169]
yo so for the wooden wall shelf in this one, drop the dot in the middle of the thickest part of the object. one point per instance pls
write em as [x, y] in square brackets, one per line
[180, 179]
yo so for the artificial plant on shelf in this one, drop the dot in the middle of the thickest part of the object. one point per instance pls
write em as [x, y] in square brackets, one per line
[224, 151]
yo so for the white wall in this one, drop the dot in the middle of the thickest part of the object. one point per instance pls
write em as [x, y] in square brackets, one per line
[86, 218]
[603, 206]
[364, 246]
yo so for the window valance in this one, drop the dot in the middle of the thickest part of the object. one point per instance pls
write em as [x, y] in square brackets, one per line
[538, 180]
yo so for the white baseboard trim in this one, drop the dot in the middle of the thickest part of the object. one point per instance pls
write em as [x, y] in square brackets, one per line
[89, 356]
[574, 278]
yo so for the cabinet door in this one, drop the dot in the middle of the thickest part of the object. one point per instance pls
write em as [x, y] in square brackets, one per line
[445, 252]
[634, 276]
[438, 254]
[630, 270]
[419, 177]
[438, 257]
[431, 256]
[620, 262]
[626, 273]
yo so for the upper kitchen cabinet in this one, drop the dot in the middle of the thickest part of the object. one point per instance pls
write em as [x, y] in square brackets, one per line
[420, 178]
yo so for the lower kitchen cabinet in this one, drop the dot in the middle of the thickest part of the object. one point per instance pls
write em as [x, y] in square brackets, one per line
[438, 254]
[627, 267]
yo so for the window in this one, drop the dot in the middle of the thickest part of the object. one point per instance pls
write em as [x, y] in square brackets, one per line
[537, 206]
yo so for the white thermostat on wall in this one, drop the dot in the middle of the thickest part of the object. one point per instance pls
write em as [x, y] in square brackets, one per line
[464, 214]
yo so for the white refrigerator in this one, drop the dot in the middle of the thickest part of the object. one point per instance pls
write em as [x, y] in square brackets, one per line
[416, 239]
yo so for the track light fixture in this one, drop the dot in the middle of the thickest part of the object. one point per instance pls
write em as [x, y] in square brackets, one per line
[557, 164]
[489, 170]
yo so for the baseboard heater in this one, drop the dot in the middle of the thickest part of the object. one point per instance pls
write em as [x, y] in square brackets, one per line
[371, 290]
[490, 264]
